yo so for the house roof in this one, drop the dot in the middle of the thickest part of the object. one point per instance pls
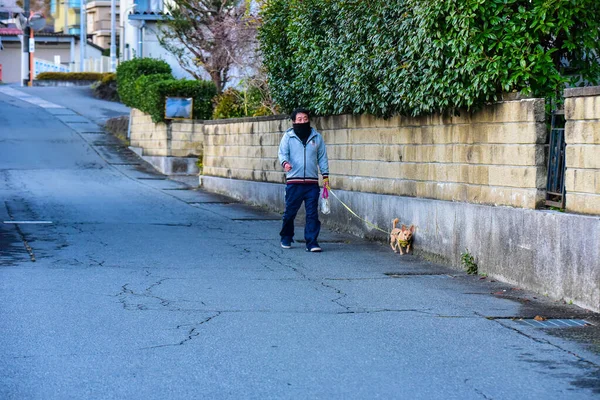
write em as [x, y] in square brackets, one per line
[148, 15]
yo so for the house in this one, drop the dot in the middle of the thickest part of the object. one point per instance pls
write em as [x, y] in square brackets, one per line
[98, 22]
[139, 27]
[53, 52]
[66, 16]
[67, 19]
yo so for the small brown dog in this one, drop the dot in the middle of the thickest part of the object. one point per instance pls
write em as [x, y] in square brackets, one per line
[401, 237]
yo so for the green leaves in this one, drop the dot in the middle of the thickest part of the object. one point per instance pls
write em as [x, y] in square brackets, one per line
[143, 83]
[129, 71]
[417, 56]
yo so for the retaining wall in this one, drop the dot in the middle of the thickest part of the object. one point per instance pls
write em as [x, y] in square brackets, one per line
[173, 148]
[495, 156]
[582, 136]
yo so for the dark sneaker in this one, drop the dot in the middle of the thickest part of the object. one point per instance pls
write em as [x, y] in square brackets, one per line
[286, 243]
[314, 249]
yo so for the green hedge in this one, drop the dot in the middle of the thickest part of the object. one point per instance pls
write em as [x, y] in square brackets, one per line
[156, 90]
[420, 56]
[70, 76]
[141, 89]
[144, 83]
[129, 71]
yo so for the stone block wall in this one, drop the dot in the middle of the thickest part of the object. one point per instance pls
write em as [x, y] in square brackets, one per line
[495, 156]
[245, 148]
[147, 135]
[582, 136]
[175, 139]
[186, 138]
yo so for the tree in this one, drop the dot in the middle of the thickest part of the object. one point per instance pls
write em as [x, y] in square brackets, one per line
[208, 36]
[415, 57]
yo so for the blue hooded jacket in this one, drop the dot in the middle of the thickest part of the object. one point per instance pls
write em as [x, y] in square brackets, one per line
[306, 160]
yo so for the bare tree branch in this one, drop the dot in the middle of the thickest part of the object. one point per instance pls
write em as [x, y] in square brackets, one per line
[208, 35]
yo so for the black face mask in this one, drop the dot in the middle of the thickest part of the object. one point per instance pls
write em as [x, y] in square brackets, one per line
[302, 131]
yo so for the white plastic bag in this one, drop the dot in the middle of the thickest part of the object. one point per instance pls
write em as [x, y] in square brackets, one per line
[324, 202]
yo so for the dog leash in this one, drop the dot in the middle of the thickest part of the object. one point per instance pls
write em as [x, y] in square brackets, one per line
[355, 214]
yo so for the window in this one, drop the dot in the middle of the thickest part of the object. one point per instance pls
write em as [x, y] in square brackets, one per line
[142, 6]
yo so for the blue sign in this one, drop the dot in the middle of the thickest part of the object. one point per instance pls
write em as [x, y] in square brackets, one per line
[179, 108]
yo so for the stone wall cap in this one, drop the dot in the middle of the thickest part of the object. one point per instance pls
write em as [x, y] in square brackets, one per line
[514, 96]
[583, 91]
[247, 119]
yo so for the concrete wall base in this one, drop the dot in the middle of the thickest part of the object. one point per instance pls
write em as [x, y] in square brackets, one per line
[176, 166]
[552, 253]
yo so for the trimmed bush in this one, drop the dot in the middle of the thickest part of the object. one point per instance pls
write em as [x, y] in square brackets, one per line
[235, 104]
[157, 90]
[141, 89]
[108, 78]
[129, 71]
[143, 83]
[417, 57]
[69, 76]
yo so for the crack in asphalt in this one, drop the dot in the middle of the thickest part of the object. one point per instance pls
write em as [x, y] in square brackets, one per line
[337, 300]
[479, 392]
[194, 332]
[21, 234]
[384, 310]
[126, 292]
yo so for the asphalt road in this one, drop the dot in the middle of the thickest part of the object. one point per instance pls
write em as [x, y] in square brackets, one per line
[119, 284]
[79, 99]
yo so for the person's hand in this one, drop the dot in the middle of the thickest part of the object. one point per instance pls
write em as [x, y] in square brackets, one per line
[326, 182]
[287, 167]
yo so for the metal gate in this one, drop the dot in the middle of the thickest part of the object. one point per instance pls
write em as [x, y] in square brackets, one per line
[555, 186]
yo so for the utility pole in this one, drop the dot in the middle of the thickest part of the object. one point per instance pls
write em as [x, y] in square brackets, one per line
[25, 63]
[66, 28]
[82, 34]
[113, 38]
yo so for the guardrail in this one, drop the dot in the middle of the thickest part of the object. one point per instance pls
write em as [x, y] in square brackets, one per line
[48, 66]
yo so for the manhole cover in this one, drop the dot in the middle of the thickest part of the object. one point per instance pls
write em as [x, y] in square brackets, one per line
[555, 323]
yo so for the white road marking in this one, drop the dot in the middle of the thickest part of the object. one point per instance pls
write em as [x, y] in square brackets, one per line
[28, 98]
[28, 222]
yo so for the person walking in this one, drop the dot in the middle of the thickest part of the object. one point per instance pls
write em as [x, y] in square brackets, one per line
[302, 154]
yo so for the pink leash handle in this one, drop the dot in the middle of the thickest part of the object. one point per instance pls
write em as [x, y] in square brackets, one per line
[325, 192]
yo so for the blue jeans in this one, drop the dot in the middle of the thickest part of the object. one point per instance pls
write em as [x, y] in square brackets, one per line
[295, 194]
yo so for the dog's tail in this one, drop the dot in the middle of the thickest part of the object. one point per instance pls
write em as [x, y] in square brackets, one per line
[395, 222]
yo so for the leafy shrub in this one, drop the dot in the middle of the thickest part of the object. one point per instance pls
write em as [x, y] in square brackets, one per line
[69, 76]
[108, 78]
[156, 91]
[141, 87]
[468, 262]
[416, 57]
[228, 105]
[233, 103]
[129, 71]
[143, 83]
